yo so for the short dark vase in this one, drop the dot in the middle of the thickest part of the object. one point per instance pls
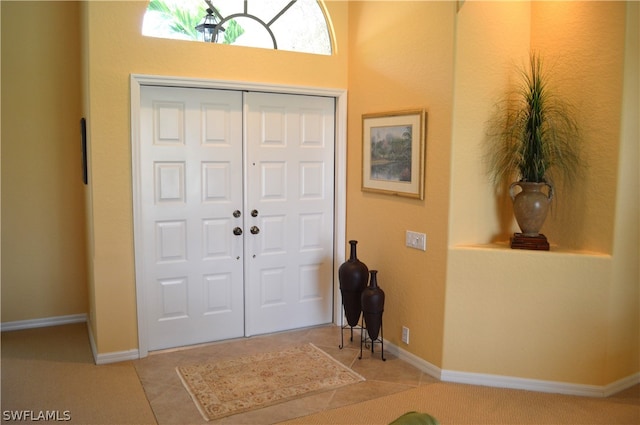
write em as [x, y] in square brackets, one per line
[353, 275]
[373, 306]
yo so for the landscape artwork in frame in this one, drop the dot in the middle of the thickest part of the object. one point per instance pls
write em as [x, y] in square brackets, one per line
[394, 153]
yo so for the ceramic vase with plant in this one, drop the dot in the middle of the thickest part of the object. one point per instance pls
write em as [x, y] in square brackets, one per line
[533, 135]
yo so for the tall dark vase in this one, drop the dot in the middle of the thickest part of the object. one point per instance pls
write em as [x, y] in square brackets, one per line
[373, 306]
[353, 275]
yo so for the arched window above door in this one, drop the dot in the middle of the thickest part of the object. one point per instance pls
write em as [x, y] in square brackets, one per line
[294, 25]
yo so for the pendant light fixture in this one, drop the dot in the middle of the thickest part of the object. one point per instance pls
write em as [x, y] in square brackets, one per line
[210, 25]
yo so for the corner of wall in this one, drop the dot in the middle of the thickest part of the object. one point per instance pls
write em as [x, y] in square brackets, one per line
[623, 354]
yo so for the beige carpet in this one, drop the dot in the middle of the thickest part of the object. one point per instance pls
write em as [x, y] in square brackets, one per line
[238, 385]
[467, 404]
[49, 372]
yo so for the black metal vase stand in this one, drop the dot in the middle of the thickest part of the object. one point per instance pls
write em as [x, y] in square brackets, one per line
[366, 341]
[344, 326]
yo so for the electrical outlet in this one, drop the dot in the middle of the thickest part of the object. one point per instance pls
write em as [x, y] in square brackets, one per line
[416, 240]
[405, 335]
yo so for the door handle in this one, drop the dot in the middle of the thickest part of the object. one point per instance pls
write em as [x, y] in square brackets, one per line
[254, 213]
[237, 231]
[255, 230]
[237, 213]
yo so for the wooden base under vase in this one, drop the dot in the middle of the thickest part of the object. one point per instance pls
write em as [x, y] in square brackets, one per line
[538, 242]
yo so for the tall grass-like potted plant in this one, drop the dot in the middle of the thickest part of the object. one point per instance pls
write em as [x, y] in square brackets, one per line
[533, 135]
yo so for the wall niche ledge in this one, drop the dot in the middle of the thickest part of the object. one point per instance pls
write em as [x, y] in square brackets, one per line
[505, 246]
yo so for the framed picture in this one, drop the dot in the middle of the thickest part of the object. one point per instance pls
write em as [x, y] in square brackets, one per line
[393, 149]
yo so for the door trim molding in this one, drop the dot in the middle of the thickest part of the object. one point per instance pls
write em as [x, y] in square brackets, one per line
[340, 171]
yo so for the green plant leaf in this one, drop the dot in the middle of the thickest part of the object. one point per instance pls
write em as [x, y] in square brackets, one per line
[533, 132]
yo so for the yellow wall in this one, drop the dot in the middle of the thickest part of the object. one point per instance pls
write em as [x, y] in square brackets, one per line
[115, 49]
[623, 339]
[584, 43]
[401, 57]
[491, 39]
[43, 247]
[545, 315]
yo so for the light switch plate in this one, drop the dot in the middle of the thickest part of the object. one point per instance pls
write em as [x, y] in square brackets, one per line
[405, 335]
[416, 240]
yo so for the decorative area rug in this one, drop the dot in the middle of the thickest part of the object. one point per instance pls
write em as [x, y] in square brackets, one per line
[238, 385]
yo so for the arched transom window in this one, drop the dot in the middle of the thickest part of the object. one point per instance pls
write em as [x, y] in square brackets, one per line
[295, 25]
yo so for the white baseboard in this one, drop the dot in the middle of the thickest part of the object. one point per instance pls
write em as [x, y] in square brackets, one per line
[118, 356]
[65, 320]
[44, 322]
[499, 381]
[115, 357]
[621, 384]
[537, 385]
[428, 368]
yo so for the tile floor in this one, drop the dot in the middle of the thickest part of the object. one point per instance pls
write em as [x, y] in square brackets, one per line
[172, 404]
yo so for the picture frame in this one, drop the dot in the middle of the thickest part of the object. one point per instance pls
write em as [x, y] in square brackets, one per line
[393, 153]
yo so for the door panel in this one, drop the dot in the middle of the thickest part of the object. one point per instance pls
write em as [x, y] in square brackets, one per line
[191, 179]
[290, 150]
[216, 161]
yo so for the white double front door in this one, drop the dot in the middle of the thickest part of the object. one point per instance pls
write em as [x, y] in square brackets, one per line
[235, 213]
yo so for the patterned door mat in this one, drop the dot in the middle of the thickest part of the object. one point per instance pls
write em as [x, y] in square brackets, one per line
[238, 385]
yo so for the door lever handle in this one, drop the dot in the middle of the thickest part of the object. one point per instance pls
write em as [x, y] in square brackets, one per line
[237, 231]
[255, 230]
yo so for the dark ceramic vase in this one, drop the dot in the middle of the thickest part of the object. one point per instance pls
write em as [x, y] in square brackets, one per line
[353, 275]
[373, 306]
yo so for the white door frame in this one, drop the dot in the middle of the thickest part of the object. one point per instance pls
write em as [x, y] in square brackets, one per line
[340, 169]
